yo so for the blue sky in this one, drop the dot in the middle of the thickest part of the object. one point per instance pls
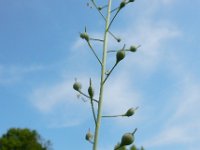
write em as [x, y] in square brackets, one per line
[41, 54]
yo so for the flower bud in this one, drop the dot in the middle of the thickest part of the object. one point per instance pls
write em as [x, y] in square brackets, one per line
[130, 112]
[122, 4]
[133, 147]
[127, 139]
[133, 49]
[77, 86]
[85, 36]
[91, 91]
[89, 136]
[120, 55]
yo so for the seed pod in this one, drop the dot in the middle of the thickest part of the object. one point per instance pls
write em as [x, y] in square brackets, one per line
[85, 36]
[130, 112]
[127, 139]
[133, 147]
[120, 55]
[133, 49]
[77, 86]
[122, 4]
[89, 136]
[131, 1]
[90, 90]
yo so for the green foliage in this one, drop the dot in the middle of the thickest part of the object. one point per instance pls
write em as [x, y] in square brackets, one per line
[22, 139]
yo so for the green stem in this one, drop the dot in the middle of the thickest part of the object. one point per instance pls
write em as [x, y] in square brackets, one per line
[94, 39]
[112, 116]
[88, 96]
[113, 18]
[117, 39]
[95, 54]
[95, 5]
[110, 72]
[103, 70]
[114, 51]
[93, 111]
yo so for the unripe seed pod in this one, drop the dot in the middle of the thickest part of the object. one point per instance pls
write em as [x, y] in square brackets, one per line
[91, 91]
[120, 55]
[122, 4]
[133, 147]
[131, 0]
[77, 86]
[130, 112]
[89, 136]
[133, 49]
[85, 36]
[127, 139]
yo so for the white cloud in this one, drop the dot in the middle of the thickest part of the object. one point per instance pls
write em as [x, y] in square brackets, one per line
[171, 135]
[182, 126]
[59, 101]
[152, 37]
[167, 2]
[121, 95]
[14, 73]
[64, 123]
[46, 98]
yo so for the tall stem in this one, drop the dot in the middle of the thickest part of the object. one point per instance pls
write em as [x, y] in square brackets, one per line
[103, 70]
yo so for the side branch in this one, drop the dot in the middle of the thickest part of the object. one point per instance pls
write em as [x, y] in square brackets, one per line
[110, 72]
[94, 39]
[131, 49]
[119, 58]
[116, 38]
[129, 112]
[113, 116]
[94, 52]
[97, 8]
[93, 111]
[113, 18]
[122, 5]
[88, 97]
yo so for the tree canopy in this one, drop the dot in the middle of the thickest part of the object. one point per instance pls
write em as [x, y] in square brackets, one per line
[23, 139]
